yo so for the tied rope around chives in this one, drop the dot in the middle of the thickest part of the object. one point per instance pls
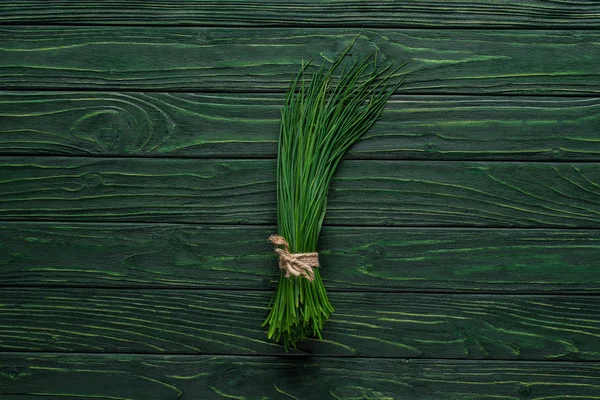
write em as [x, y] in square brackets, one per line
[294, 264]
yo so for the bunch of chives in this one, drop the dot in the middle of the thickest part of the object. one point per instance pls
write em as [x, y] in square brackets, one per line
[323, 115]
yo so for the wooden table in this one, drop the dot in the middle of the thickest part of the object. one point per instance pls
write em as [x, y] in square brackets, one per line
[137, 170]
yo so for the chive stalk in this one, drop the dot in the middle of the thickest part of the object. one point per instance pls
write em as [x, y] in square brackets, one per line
[323, 115]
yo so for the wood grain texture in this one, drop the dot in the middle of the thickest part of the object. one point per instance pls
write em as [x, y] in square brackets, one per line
[390, 193]
[439, 61]
[247, 125]
[364, 324]
[178, 377]
[385, 13]
[365, 259]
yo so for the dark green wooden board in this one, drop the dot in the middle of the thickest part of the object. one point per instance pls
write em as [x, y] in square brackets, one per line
[463, 234]
[247, 125]
[229, 322]
[391, 193]
[139, 377]
[385, 13]
[365, 259]
[171, 59]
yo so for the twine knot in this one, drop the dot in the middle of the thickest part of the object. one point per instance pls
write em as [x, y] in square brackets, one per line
[294, 264]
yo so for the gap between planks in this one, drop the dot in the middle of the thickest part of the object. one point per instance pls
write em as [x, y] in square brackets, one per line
[158, 288]
[256, 224]
[414, 93]
[295, 356]
[260, 157]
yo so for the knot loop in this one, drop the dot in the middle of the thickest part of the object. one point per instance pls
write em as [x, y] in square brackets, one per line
[294, 264]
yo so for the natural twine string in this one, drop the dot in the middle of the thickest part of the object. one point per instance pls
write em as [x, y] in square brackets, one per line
[294, 264]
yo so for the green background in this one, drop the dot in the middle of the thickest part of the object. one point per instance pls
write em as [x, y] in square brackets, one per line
[137, 192]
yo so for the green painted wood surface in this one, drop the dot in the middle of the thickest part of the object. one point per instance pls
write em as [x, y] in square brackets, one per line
[364, 324]
[365, 192]
[247, 125]
[385, 13]
[417, 265]
[180, 377]
[171, 59]
[365, 259]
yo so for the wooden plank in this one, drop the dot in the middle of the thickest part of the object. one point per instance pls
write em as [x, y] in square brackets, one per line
[266, 13]
[422, 259]
[172, 377]
[247, 125]
[366, 324]
[365, 192]
[439, 61]
[32, 397]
